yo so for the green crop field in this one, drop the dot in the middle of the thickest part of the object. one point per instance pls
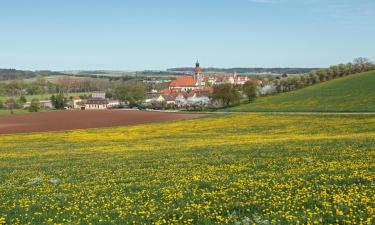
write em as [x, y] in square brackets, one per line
[354, 93]
[227, 169]
[44, 97]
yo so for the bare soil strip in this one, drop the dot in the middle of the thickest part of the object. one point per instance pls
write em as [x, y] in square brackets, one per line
[70, 120]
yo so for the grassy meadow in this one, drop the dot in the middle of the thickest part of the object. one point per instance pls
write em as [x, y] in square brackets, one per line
[354, 93]
[44, 97]
[227, 169]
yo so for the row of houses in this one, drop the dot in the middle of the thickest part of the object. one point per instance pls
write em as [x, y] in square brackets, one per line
[182, 99]
[97, 101]
[196, 89]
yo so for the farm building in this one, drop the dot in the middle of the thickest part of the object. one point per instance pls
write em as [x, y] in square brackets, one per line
[96, 103]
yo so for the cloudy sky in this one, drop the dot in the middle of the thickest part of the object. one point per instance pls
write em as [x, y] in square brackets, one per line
[159, 34]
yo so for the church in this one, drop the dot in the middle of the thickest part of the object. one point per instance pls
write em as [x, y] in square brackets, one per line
[188, 83]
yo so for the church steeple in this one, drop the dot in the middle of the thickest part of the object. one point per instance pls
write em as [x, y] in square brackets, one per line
[198, 73]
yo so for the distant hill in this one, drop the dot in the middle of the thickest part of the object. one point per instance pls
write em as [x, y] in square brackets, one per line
[247, 70]
[12, 74]
[354, 93]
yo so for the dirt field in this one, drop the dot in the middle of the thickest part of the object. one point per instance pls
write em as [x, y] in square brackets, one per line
[69, 120]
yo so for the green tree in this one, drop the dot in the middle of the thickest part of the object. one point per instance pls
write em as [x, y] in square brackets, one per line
[133, 95]
[250, 90]
[41, 83]
[227, 94]
[22, 99]
[34, 105]
[15, 87]
[59, 101]
[1, 104]
[11, 104]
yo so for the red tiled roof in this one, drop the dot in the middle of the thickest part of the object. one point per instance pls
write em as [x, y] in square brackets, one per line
[169, 97]
[166, 91]
[183, 81]
[256, 82]
[97, 101]
[76, 98]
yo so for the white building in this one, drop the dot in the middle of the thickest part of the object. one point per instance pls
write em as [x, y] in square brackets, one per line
[96, 103]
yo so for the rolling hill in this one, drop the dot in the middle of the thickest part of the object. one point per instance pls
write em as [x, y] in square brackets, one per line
[355, 93]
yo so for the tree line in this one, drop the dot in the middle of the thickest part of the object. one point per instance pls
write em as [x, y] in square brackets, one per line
[292, 82]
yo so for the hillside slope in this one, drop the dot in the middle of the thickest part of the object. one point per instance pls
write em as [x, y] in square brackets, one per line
[355, 93]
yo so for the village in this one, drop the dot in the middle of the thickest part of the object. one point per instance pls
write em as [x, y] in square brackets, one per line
[184, 91]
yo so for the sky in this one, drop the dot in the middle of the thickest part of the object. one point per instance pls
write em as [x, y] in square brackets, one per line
[160, 34]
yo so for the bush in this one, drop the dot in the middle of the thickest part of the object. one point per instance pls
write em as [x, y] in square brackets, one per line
[22, 99]
[34, 105]
[11, 104]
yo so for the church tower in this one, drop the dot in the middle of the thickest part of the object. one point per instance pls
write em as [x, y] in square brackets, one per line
[198, 74]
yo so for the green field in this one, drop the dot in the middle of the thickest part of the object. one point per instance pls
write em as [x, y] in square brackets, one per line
[43, 97]
[354, 93]
[227, 169]
[29, 98]
[4, 112]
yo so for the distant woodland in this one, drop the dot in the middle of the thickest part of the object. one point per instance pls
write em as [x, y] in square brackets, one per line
[248, 70]
[12, 74]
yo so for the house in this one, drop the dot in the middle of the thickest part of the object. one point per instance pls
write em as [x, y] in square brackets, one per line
[113, 104]
[183, 83]
[96, 103]
[76, 103]
[98, 94]
[169, 99]
[45, 104]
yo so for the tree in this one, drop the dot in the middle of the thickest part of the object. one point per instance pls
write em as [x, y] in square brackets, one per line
[15, 87]
[41, 83]
[11, 104]
[64, 84]
[22, 99]
[361, 60]
[59, 101]
[34, 105]
[227, 94]
[250, 90]
[1, 104]
[134, 95]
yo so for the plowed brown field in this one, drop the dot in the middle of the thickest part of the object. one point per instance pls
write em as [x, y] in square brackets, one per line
[70, 120]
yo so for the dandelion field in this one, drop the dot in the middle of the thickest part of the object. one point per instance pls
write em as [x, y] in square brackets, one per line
[227, 169]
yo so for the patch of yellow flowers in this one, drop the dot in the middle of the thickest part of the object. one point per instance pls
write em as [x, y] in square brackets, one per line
[233, 169]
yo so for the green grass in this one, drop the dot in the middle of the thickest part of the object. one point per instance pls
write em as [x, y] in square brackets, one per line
[44, 97]
[4, 112]
[231, 169]
[15, 111]
[355, 93]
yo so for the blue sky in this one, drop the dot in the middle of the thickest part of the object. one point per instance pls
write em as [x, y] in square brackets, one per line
[159, 34]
